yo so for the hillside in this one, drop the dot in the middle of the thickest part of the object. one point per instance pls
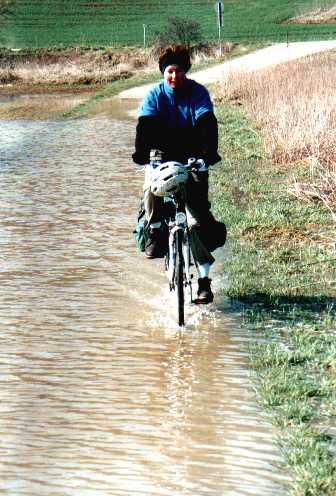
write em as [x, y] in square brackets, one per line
[46, 23]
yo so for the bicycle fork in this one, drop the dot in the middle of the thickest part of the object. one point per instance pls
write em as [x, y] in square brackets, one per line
[171, 266]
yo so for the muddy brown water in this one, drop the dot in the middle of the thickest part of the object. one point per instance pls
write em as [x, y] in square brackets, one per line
[101, 393]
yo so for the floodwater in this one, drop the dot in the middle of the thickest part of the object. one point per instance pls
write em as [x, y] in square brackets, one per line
[37, 106]
[101, 393]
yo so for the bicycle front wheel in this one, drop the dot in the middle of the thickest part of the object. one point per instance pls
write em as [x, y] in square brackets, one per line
[179, 277]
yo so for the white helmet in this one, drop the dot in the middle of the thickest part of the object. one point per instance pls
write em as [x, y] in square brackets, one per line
[167, 178]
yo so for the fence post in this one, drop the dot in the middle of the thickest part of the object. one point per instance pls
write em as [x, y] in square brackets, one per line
[144, 34]
[219, 10]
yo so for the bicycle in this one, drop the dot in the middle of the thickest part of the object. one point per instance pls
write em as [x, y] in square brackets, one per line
[169, 182]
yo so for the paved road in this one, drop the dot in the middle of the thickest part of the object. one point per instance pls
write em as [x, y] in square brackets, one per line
[265, 57]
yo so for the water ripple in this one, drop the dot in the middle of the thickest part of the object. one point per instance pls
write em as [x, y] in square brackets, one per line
[101, 393]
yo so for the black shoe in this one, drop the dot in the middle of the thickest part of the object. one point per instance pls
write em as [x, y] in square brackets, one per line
[204, 293]
[156, 243]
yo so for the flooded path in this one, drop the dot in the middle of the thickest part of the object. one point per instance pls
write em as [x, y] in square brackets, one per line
[101, 393]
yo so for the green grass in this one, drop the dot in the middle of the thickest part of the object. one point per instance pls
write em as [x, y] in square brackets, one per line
[45, 23]
[281, 276]
[295, 377]
[285, 247]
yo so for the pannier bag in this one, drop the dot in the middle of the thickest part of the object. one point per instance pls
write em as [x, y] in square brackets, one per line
[141, 229]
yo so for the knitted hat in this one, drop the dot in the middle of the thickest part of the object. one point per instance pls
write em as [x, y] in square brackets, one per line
[175, 55]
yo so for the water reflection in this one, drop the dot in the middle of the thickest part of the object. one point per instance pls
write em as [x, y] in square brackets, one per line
[101, 393]
[37, 106]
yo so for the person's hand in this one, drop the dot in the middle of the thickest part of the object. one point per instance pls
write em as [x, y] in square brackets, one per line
[197, 165]
[140, 158]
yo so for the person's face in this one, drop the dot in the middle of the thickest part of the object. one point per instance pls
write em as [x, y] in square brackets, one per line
[174, 76]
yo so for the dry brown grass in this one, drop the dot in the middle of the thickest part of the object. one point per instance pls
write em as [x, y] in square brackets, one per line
[322, 188]
[75, 67]
[320, 15]
[295, 106]
[202, 53]
[80, 66]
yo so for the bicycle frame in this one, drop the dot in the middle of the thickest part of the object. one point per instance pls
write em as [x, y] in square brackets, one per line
[179, 223]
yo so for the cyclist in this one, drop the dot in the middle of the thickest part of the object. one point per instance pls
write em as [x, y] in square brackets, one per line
[176, 116]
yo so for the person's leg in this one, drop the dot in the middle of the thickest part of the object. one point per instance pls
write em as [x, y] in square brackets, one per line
[153, 208]
[197, 194]
[156, 243]
[198, 213]
[211, 232]
[153, 204]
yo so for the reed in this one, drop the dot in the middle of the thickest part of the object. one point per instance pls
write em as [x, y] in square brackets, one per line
[75, 67]
[295, 108]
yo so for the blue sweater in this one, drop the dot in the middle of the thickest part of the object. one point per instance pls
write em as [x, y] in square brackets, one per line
[177, 108]
[180, 123]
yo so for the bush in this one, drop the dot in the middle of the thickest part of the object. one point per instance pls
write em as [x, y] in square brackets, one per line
[6, 7]
[7, 76]
[179, 31]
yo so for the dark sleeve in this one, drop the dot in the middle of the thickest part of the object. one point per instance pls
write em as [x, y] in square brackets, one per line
[148, 136]
[207, 133]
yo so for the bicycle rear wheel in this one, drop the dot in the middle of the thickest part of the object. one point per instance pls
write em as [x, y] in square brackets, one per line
[179, 279]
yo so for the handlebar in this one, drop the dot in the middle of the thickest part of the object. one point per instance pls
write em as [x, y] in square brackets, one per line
[194, 164]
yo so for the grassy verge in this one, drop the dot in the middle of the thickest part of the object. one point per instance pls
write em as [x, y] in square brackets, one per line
[108, 91]
[282, 273]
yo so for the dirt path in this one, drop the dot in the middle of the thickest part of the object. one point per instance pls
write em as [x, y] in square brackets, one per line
[266, 57]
